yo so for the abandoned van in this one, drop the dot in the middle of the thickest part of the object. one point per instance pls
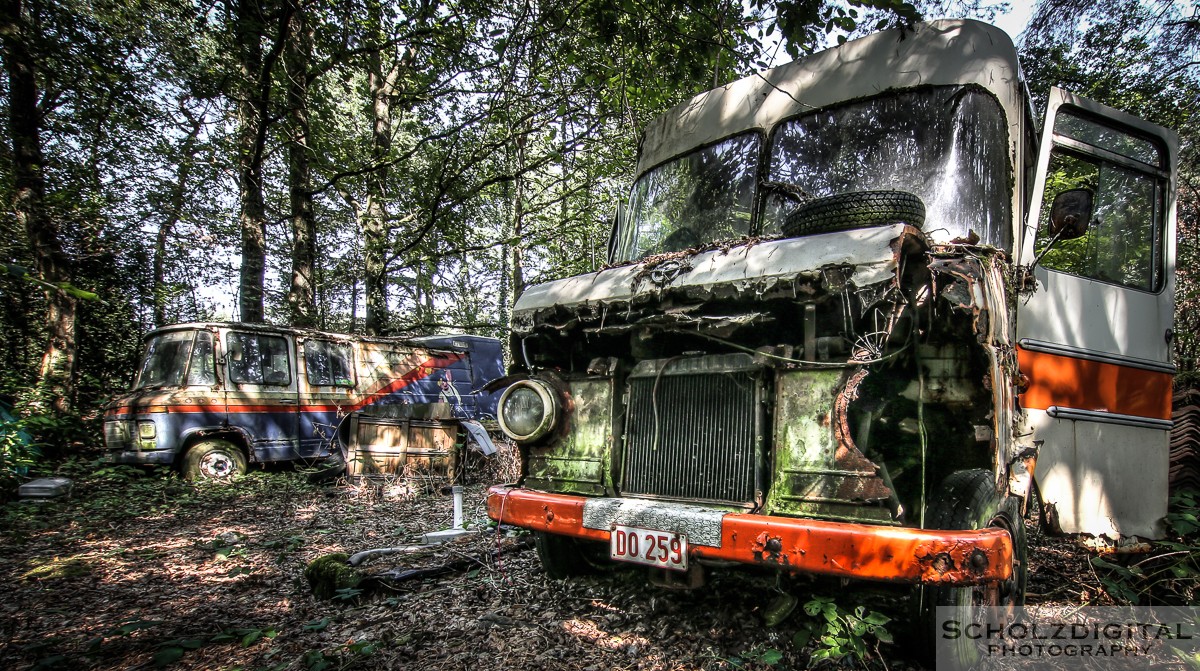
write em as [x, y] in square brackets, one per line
[859, 312]
[212, 397]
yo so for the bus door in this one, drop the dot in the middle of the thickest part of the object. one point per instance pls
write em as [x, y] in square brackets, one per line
[1094, 337]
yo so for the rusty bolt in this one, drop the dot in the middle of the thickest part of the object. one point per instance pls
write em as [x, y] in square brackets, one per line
[979, 561]
[774, 545]
[549, 515]
[942, 562]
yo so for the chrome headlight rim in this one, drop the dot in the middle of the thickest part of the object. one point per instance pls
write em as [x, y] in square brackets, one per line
[551, 410]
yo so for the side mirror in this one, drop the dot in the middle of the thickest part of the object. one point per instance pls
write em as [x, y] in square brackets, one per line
[1070, 214]
[1069, 217]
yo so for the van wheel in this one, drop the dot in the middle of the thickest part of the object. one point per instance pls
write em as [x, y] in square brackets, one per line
[968, 500]
[856, 209]
[214, 459]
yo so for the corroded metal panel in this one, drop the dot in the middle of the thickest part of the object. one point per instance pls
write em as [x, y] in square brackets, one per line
[839, 549]
[579, 461]
[1102, 479]
[401, 447]
[816, 474]
[858, 258]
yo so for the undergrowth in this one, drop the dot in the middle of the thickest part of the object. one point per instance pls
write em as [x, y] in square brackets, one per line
[1168, 575]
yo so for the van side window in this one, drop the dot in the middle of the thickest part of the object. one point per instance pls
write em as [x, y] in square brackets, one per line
[1124, 240]
[329, 364]
[201, 370]
[258, 359]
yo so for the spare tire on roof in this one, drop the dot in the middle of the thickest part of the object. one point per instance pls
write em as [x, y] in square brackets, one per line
[856, 209]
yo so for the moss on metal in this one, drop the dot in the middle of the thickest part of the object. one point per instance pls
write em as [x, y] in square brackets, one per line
[329, 573]
[577, 463]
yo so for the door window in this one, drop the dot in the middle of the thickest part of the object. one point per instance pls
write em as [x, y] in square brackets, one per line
[1124, 240]
[201, 370]
[259, 359]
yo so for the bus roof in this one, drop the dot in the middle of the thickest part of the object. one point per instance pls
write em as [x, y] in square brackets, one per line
[932, 53]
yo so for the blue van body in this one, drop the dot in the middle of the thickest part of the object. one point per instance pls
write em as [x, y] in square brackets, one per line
[281, 394]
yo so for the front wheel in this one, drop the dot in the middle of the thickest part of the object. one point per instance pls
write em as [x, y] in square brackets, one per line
[969, 500]
[214, 459]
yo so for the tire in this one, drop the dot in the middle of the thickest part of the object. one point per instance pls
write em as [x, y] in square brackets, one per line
[968, 500]
[331, 468]
[214, 459]
[566, 557]
[856, 209]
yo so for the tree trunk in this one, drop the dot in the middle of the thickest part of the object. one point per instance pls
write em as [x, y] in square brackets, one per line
[298, 52]
[29, 206]
[374, 223]
[518, 249]
[178, 199]
[252, 220]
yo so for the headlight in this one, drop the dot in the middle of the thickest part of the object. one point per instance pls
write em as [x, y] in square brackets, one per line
[146, 430]
[529, 410]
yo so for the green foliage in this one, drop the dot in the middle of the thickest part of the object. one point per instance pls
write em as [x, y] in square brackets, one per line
[837, 633]
[173, 650]
[1169, 573]
[342, 657]
[30, 436]
[58, 568]
[18, 453]
[804, 24]
[758, 656]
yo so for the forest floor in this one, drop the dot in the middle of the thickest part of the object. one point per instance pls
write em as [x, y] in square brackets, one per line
[138, 571]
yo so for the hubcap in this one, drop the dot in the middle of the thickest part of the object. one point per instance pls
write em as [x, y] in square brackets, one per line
[216, 465]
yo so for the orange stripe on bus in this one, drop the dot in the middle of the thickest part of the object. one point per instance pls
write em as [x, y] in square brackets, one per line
[1064, 381]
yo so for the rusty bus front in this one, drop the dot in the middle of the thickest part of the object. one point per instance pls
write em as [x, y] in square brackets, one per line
[804, 353]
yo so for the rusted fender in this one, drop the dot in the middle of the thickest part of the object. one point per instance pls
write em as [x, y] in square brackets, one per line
[839, 549]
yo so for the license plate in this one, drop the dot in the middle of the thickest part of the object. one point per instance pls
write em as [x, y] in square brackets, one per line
[664, 549]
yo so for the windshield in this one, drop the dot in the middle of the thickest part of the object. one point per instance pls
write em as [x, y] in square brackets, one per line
[178, 358]
[948, 145]
[703, 197]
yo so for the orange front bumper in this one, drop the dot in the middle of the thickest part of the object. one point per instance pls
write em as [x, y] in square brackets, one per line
[840, 549]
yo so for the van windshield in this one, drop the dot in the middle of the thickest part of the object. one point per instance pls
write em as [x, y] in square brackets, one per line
[180, 358]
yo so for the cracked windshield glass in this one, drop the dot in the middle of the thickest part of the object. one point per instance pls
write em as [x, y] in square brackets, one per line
[703, 197]
[947, 145]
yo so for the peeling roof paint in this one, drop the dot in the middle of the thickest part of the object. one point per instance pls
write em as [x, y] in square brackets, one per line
[870, 252]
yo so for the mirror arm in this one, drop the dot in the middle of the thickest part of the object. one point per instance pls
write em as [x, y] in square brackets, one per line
[1047, 248]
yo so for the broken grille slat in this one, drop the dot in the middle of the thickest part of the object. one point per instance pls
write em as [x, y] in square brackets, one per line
[704, 445]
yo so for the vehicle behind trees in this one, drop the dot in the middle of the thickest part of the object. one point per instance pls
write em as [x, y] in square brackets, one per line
[211, 398]
[860, 313]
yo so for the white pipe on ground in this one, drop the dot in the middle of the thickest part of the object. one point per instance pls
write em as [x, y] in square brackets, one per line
[457, 490]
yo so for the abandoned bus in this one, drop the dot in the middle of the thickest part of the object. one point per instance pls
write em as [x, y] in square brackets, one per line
[859, 312]
[211, 398]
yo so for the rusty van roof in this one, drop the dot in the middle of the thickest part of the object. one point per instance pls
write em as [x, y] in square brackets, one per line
[933, 53]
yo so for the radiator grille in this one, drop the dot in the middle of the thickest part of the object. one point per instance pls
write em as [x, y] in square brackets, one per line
[694, 437]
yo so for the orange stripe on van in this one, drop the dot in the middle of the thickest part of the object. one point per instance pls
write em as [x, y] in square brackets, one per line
[1064, 381]
[421, 368]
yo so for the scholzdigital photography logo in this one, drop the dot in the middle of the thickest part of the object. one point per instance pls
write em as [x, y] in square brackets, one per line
[1101, 638]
